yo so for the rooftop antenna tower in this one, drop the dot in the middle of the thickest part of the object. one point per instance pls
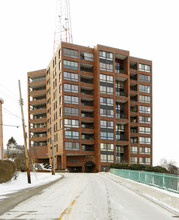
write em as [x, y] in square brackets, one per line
[63, 30]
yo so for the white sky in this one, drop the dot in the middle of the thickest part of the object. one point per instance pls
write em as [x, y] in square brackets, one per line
[148, 29]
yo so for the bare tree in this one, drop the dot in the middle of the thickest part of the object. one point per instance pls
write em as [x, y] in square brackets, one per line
[170, 166]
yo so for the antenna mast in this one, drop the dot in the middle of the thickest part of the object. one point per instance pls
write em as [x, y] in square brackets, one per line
[63, 29]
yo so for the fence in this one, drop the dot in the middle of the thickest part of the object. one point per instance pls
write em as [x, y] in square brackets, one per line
[165, 181]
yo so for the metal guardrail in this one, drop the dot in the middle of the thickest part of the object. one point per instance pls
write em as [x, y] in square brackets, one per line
[165, 181]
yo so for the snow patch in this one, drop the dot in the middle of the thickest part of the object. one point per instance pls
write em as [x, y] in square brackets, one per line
[21, 182]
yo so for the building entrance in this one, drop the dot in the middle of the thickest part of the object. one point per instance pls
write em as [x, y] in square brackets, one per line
[89, 167]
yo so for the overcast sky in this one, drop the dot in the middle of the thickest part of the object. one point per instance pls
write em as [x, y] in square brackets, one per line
[148, 29]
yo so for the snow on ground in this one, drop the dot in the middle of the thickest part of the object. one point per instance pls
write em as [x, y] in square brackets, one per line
[37, 179]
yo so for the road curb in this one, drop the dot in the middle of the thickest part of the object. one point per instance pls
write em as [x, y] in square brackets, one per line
[14, 199]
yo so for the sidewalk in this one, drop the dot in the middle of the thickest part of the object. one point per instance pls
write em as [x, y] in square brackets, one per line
[168, 200]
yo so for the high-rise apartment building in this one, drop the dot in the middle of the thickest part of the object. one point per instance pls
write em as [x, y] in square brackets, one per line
[95, 105]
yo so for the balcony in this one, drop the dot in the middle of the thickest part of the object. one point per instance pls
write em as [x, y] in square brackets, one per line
[35, 102]
[133, 88]
[37, 82]
[133, 108]
[133, 98]
[120, 137]
[86, 67]
[87, 125]
[133, 65]
[38, 109]
[120, 92]
[87, 91]
[121, 116]
[87, 147]
[133, 130]
[133, 76]
[133, 119]
[120, 159]
[87, 137]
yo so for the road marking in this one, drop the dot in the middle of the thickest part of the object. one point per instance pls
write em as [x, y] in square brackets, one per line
[67, 211]
[63, 213]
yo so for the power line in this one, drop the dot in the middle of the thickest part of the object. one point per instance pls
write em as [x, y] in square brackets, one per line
[10, 112]
[17, 126]
[9, 91]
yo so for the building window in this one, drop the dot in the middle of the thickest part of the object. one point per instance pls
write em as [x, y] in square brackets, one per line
[133, 160]
[107, 147]
[70, 53]
[72, 134]
[106, 90]
[106, 101]
[145, 120]
[86, 56]
[143, 88]
[134, 140]
[70, 76]
[144, 160]
[107, 152]
[120, 132]
[134, 150]
[144, 109]
[71, 99]
[144, 68]
[144, 130]
[144, 140]
[105, 55]
[106, 61]
[120, 88]
[144, 78]
[144, 150]
[70, 88]
[71, 146]
[106, 78]
[107, 135]
[71, 111]
[70, 64]
[71, 123]
[145, 99]
[107, 124]
[106, 112]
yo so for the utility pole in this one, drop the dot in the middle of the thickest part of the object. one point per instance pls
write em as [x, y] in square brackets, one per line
[25, 140]
[53, 151]
[1, 130]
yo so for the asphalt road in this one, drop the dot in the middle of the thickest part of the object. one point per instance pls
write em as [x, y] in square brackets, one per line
[87, 197]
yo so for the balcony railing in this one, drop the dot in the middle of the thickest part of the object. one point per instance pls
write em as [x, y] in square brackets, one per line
[87, 103]
[120, 137]
[88, 92]
[120, 93]
[38, 89]
[89, 126]
[87, 137]
[88, 115]
[87, 81]
[37, 79]
[121, 116]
